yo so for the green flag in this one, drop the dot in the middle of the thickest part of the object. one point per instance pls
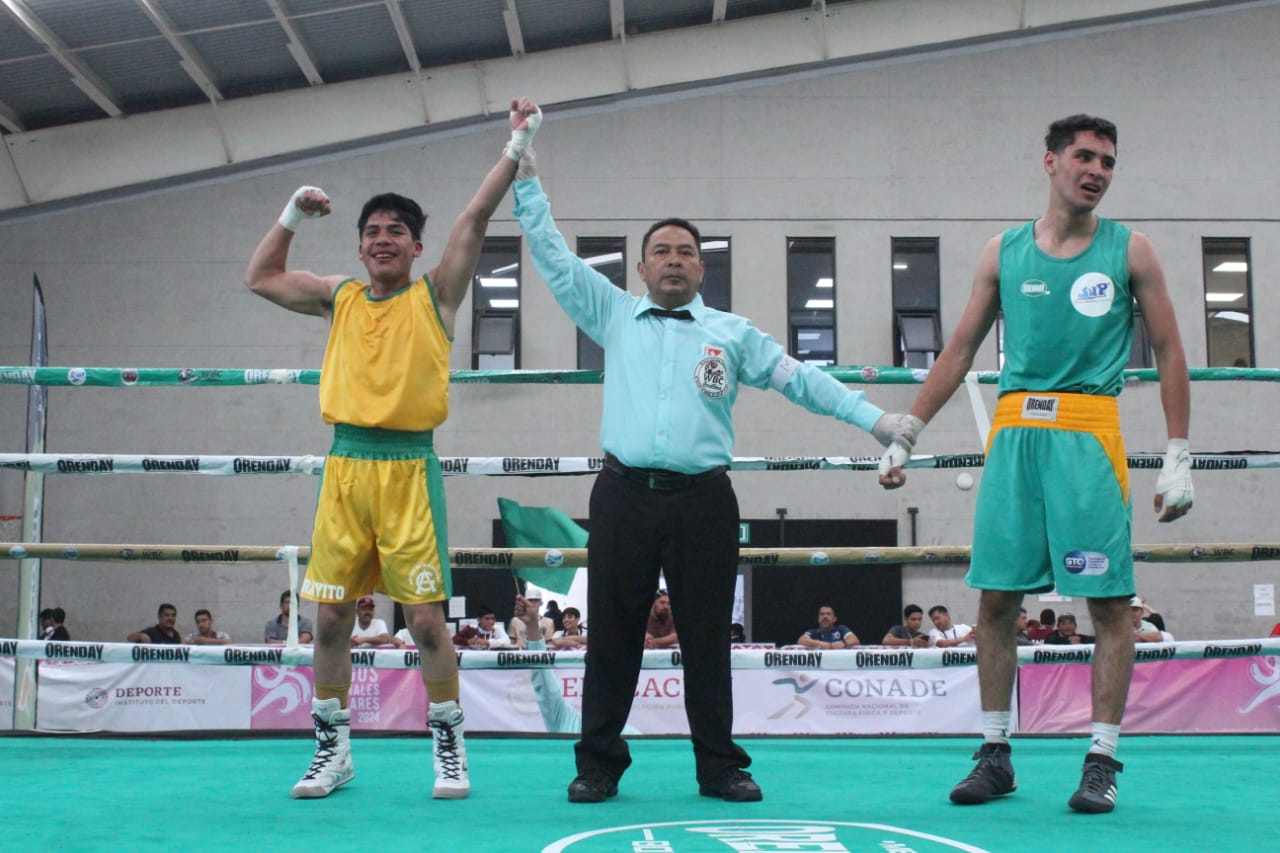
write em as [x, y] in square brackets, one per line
[541, 527]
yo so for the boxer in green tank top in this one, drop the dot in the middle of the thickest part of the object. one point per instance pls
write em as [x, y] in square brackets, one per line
[1053, 507]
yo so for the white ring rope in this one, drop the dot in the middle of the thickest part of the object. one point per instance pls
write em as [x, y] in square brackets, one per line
[569, 558]
[537, 466]
[862, 658]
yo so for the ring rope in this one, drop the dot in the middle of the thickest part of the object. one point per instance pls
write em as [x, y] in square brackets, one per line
[221, 377]
[863, 658]
[567, 558]
[541, 466]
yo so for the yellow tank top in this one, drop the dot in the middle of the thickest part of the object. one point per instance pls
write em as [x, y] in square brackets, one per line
[387, 362]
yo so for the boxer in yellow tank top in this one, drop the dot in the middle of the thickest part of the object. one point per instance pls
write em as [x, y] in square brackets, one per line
[380, 517]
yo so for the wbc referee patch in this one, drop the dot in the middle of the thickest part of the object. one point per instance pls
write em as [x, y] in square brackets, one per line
[712, 374]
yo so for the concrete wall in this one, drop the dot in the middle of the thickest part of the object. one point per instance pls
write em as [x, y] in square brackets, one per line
[945, 146]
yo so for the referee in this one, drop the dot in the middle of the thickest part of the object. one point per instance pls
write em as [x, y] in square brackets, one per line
[664, 502]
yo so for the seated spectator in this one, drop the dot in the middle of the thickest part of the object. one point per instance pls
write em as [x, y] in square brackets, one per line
[205, 634]
[1143, 631]
[276, 632]
[574, 635]
[485, 634]
[945, 633]
[1048, 619]
[58, 631]
[517, 628]
[46, 624]
[554, 613]
[737, 633]
[161, 632]
[660, 632]
[829, 634]
[1020, 634]
[1065, 634]
[908, 633]
[368, 631]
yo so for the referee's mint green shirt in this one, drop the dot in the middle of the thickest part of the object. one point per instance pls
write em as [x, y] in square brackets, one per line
[670, 384]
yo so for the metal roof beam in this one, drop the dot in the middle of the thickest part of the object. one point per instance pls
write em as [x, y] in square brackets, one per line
[9, 119]
[512, 19]
[191, 61]
[402, 32]
[718, 10]
[295, 46]
[84, 79]
[618, 19]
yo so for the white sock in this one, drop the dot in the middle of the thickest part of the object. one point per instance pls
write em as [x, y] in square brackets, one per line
[995, 726]
[1106, 738]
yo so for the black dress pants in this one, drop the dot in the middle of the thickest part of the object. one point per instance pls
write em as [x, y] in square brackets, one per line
[691, 535]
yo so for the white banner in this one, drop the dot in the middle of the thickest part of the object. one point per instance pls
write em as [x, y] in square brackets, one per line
[94, 697]
[6, 694]
[772, 702]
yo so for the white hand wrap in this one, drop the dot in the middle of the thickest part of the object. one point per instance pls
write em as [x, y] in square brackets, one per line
[520, 139]
[898, 433]
[528, 167]
[292, 215]
[1174, 482]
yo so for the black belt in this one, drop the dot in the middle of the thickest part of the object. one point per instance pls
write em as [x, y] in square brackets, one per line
[660, 479]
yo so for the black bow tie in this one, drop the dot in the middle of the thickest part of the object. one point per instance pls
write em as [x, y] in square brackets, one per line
[679, 313]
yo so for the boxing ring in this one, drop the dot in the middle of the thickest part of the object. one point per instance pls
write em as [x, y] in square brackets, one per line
[885, 792]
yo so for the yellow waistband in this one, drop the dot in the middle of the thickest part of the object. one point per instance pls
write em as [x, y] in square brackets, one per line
[1076, 412]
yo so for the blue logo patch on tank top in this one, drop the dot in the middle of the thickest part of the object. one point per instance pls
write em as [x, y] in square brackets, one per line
[1086, 563]
[1092, 294]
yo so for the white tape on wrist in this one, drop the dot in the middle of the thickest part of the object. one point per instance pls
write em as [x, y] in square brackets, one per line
[896, 456]
[1174, 482]
[783, 372]
[292, 215]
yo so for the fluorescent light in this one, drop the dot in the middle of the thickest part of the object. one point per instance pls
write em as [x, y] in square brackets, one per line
[900, 265]
[504, 303]
[808, 336]
[598, 260]
[1221, 297]
[820, 303]
[1234, 316]
[507, 268]
[1232, 266]
[498, 282]
[824, 282]
[714, 245]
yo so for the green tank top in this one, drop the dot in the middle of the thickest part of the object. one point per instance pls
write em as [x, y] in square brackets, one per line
[1068, 322]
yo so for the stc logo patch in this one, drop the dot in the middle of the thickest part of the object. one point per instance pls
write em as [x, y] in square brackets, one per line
[1086, 563]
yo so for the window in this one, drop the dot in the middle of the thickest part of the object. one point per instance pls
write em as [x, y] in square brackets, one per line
[917, 321]
[811, 299]
[716, 290]
[607, 256]
[495, 298]
[1228, 301]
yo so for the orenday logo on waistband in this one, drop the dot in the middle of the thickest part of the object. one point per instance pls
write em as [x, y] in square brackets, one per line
[1039, 408]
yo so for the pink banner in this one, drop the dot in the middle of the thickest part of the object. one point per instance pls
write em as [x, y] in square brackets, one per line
[1166, 697]
[387, 699]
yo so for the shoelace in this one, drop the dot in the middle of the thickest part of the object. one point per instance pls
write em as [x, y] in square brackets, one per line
[986, 764]
[446, 749]
[326, 747]
[1096, 779]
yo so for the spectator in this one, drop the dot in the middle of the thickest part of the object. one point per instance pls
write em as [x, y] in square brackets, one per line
[1020, 633]
[829, 634]
[58, 631]
[1143, 631]
[944, 632]
[737, 633]
[1065, 634]
[574, 635]
[554, 613]
[908, 633]
[485, 634]
[660, 631]
[1275, 630]
[1047, 621]
[276, 632]
[161, 632]
[46, 624]
[517, 628]
[404, 639]
[205, 634]
[368, 631]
